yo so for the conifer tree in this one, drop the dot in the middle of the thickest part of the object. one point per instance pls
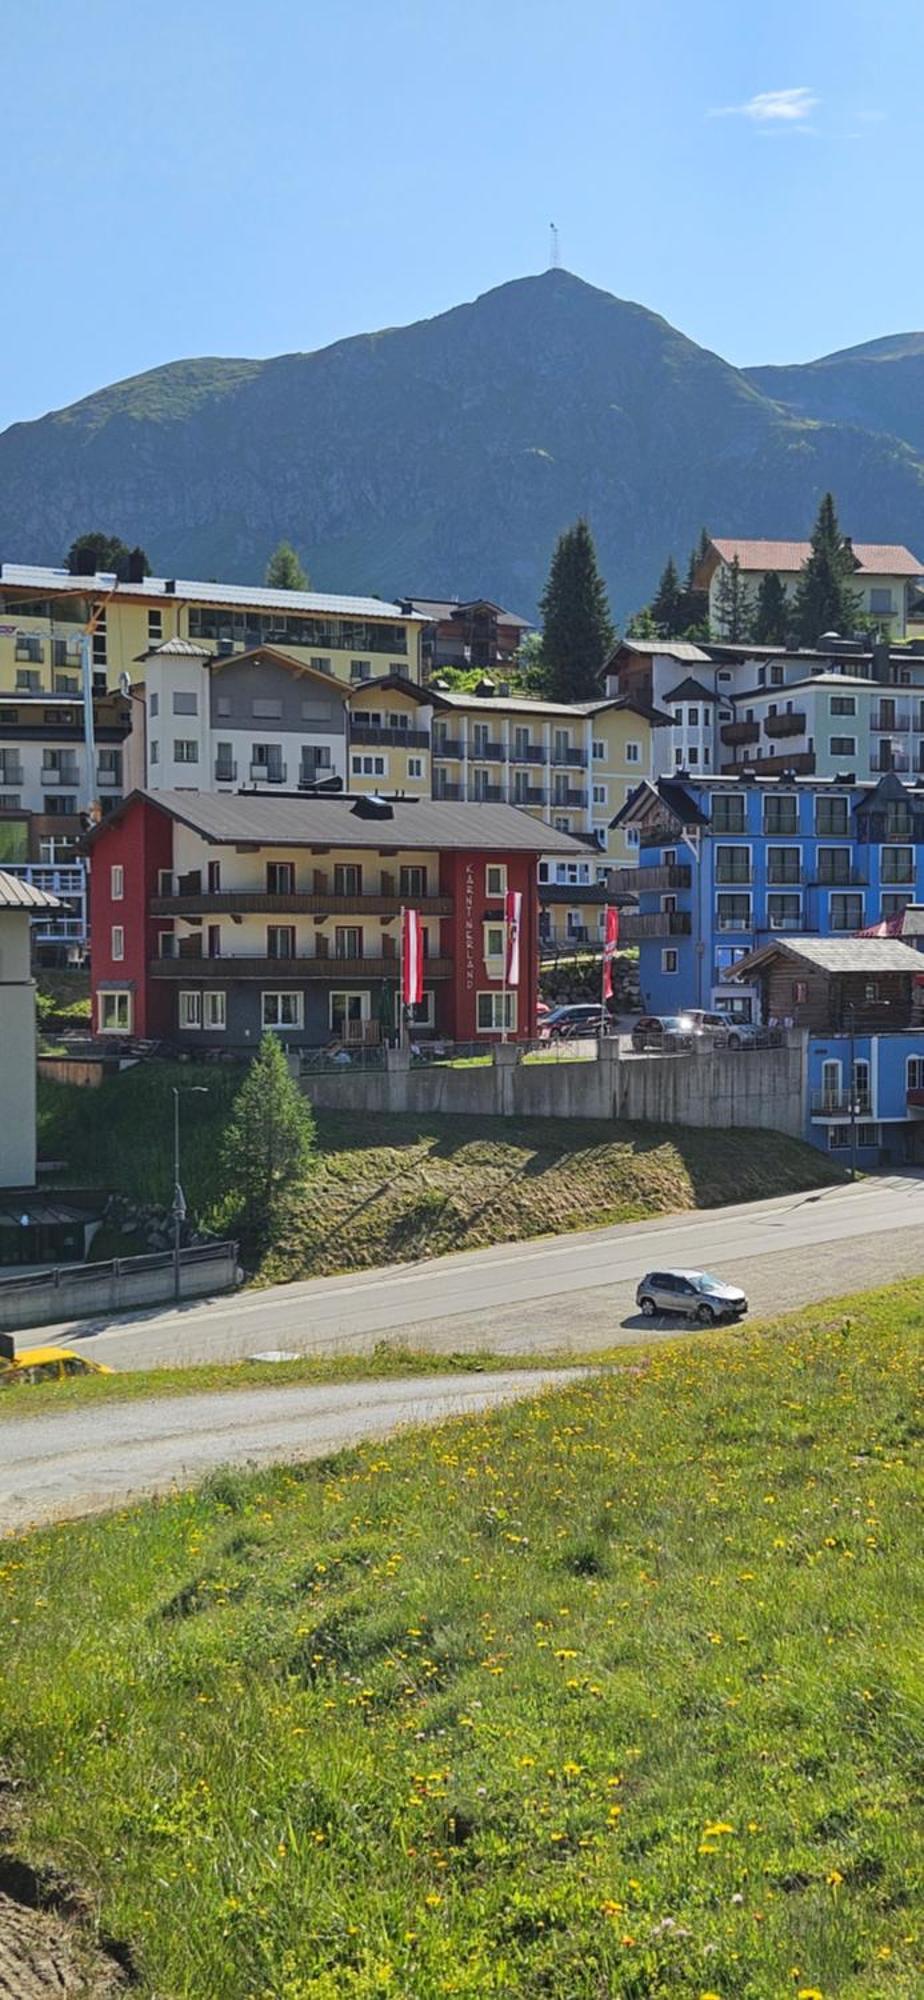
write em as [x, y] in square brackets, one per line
[825, 601]
[733, 604]
[666, 602]
[268, 1142]
[577, 630]
[284, 571]
[772, 616]
[693, 610]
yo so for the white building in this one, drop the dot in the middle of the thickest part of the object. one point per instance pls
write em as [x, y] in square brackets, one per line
[205, 722]
[19, 904]
[886, 579]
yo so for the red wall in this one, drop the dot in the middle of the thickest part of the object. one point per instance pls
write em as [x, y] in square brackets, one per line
[141, 840]
[462, 876]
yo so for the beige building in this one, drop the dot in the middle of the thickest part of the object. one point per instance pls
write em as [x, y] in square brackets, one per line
[886, 580]
[19, 903]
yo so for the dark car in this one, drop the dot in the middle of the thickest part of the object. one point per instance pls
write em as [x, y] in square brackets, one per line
[695, 1294]
[581, 1017]
[662, 1031]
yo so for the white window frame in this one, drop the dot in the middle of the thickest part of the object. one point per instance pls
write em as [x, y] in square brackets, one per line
[669, 953]
[425, 1010]
[348, 993]
[215, 1009]
[495, 879]
[189, 1012]
[185, 750]
[294, 1000]
[492, 1002]
[368, 766]
[181, 699]
[599, 795]
[117, 943]
[842, 752]
[121, 1003]
[493, 957]
[117, 882]
[633, 753]
[415, 767]
[599, 750]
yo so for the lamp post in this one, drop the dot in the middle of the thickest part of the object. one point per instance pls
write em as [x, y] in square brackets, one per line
[852, 1074]
[179, 1198]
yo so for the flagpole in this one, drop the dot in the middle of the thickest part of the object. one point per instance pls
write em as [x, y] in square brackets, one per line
[504, 985]
[401, 981]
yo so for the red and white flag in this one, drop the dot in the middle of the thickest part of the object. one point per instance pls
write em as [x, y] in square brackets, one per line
[610, 942]
[412, 958]
[513, 914]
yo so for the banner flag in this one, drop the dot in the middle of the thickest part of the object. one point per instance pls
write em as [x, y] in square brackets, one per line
[513, 913]
[610, 942]
[412, 958]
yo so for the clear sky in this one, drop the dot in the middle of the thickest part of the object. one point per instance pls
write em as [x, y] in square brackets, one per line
[248, 177]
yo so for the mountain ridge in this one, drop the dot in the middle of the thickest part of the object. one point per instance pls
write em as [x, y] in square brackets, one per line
[444, 457]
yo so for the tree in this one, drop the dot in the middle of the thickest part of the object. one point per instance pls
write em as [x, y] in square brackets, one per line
[284, 570]
[97, 551]
[665, 604]
[824, 600]
[577, 630]
[693, 609]
[772, 616]
[641, 624]
[733, 604]
[268, 1142]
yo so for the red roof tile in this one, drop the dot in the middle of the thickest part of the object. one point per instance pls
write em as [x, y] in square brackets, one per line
[874, 558]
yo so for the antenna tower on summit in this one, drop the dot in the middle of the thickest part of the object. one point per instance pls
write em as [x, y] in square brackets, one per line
[554, 258]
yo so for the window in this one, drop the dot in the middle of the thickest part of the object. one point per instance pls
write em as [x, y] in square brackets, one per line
[843, 704]
[491, 1011]
[155, 627]
[893, 904]
[494, 942]
[633, 753]
[190, 1010]
[733, 864]
[781, 813]
[838, 1138]
[692, 755]
[368, 767]
[266, 711]
[99, 640]
[225, 767]
[214, 1010]
[561, 823]
[845, 913]
[670, 959]
[348, 941]
[185, 750]
[733, 912]
[784, 913]
[693, 718]
[60, 805]
[425, 1010]
[632, 836]
[155, 704]
[495, 879]
[117, 882]
[834, 864]
[29, 646]
[280, 878]
[154, 752]
[867, 1135]
[843, 746]
[117, 942]
[896, 864]
[222, 704]
[413, 881]
[185, 702]
[280, 940]
[832, 816]
[28, 681]
[109, 764]
[724, 674]
[914, 1073]
[776, 677]
[599, 749]
[784, 865]
[669, 905]
[880, 600]
[165, 881]
[799, 992]
[360, 670]
[281, 1010]
[321, 665]
[348, 878]
[348, 1011]
[415, 767]
[728, 812]
[599, 795]
[115, 1013]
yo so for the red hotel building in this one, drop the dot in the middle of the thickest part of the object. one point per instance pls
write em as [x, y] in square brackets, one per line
[214, 917]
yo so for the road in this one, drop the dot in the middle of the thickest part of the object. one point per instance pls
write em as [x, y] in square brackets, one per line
[565, 1292]
[85, 1460]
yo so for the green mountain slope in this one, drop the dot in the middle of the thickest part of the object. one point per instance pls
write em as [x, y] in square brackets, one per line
[446, 456]
[879, 386]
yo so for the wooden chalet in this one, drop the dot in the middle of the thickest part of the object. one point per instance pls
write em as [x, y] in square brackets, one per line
[836, 985]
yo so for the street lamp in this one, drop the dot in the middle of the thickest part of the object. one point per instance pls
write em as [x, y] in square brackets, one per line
[179, 1198]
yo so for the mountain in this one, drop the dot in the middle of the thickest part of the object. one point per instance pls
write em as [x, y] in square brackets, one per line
[879, 386]
[445, 457]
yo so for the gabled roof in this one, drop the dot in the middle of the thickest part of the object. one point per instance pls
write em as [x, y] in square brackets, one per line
[300, 668]
[179, 649]
[257, 597]
[873, 558]
[426, 696]
[16, 894]
[662, 649]
[836, 955]
[339, 819]
[691, 690]
[442, 610]
[666, 791]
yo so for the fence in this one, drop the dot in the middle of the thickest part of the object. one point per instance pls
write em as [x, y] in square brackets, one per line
[76, 1291]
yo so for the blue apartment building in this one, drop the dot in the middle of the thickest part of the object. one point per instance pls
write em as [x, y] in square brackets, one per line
[726, 864]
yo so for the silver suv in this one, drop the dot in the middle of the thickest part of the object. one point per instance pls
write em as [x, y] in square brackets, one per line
[693, 1293]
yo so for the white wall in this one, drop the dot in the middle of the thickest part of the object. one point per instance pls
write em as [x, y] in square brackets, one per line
[17, 1042]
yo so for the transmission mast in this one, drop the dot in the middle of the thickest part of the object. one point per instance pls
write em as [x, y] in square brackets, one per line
[554, 259]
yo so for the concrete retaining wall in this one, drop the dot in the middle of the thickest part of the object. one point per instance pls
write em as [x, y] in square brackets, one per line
[741, 1087]
[78, 1291]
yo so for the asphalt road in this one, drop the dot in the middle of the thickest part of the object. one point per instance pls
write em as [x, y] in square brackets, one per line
[565, 1292]
[86, 1460]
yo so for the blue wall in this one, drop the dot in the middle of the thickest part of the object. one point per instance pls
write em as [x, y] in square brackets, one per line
[883, 1125]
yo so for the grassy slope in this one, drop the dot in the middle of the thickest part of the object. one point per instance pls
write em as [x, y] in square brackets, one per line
[614, 1693]
[389, 1189]
[64, 995]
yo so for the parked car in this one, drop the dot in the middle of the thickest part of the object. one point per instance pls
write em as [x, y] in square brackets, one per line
[695, 1294]
[581, 1017]
[47, 1364]
[657, 1031]
[723, 1030]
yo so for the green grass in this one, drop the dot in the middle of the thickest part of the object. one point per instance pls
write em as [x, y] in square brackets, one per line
[614, 1693]
[63, 996]
[389, 1189]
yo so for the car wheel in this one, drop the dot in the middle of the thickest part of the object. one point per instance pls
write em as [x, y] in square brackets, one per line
[734, 1042]
[705, 1316]
[649, 1308]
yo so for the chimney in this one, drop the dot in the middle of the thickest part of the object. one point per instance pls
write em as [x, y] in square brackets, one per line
[136, 566]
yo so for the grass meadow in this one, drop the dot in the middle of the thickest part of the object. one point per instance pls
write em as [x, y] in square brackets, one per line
[611, 1695]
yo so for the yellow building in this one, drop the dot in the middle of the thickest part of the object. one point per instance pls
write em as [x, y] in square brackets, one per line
[389, 737]
[44, 612]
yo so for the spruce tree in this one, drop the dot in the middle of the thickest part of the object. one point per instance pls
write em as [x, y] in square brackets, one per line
[666, 602]
[772, 616]
[577, 630]
[733, 604]
[825, 601]
[106, 553]
[268, 1141]
[284, 571]
[693, 610]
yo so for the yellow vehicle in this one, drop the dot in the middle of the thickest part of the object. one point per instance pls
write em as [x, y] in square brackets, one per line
[47, 1364]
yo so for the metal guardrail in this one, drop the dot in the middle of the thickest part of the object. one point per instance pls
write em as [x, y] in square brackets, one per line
[115, 1267]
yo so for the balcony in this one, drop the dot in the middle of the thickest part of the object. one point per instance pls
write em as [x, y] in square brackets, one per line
[375, 734]
[253, 903]
[732, 878]
[530, 753]
[108, 777]
[488, 795]
[778, 923]
[448, 746]
[662, 923]
[61, 774]
[287, 971]
[842, 1103]
[225, 773]
[785, 725]
[10, 774]
[882, 726]
[739, 732]
[639, 881]
[489, 753]
[573, 756]
[269, 774]
[532, 795]
[846, 878]
[890, 760]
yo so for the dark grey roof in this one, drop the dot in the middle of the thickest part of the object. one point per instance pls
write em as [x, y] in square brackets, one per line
[673, 794]
[439, 610]
[833, 955]
[342, 820]
[690, 690]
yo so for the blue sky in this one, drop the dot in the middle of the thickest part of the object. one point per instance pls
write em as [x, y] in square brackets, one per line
[204, 178]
